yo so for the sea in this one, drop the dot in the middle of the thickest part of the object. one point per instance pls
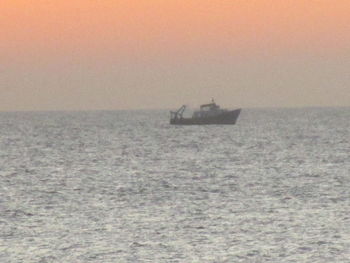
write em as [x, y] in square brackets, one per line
[125, 186]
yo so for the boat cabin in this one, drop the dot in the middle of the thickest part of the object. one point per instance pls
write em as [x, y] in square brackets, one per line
[208, 110]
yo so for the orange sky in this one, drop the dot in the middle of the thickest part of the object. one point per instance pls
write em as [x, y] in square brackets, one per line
[169, 25]
[143, 30]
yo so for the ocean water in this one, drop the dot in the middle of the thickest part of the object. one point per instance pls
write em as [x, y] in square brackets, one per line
[125, 186]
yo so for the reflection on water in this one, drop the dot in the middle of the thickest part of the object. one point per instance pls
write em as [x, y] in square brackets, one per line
[128, 187]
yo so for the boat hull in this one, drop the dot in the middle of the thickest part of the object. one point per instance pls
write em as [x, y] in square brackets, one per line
[225, 118]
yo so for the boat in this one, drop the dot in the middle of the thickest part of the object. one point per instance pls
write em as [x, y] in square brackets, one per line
[210, 113]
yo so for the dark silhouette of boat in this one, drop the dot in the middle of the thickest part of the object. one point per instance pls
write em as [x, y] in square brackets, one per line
[208, 114]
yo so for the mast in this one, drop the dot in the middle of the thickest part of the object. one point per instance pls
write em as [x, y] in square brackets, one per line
[178, 114]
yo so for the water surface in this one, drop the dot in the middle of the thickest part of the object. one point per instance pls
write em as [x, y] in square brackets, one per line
[125, 186]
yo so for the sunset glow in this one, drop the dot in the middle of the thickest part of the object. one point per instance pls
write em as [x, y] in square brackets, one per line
[119, 31]
[176, 26]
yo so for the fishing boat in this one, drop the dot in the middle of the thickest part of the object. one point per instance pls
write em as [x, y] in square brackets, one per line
[210, 113]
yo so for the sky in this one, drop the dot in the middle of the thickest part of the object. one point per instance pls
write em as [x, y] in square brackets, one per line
[160, 54]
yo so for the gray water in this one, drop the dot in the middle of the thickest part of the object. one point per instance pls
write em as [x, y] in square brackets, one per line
[125, 186]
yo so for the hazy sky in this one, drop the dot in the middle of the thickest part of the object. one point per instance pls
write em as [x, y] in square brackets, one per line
[137, 54]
